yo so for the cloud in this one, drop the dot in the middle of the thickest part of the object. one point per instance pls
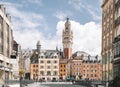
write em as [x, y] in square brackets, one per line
[100, 1]
[95, 15]
[29, 27]
[31, 19]
[77, 4]
[38, 2]
[82, 6]
[21, 17]
[86, 37]
[60, 15]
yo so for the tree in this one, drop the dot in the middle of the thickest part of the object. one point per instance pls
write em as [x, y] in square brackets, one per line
[21, 72]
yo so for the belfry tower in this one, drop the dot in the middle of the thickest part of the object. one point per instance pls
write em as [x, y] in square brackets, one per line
[67, 40]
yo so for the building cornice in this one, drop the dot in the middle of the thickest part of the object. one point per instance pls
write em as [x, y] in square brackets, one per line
[104, 3]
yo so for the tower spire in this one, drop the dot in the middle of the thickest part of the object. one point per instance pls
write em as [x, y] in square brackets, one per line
[38, 46]
[67, 24]
[67, 18]
[56, 48]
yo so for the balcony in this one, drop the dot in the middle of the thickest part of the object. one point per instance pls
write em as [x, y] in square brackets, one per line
[117, 21]
[117, 39]
[117, 5]
[116, 56]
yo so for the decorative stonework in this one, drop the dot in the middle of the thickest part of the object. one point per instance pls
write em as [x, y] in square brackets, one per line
[67, 39]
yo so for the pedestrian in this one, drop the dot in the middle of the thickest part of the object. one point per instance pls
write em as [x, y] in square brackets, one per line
[107, 84]
[3, 85]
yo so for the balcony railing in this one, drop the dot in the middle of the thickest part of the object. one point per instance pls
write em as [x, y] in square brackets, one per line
[117, 39]
[117, 21]
[116, 56]
[117, 4]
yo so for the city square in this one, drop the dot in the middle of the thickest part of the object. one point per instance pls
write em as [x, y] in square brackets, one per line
[60, 43]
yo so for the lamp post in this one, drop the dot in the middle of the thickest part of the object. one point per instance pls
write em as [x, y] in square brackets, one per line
[36, 75]
[21, 73]
[4, 74]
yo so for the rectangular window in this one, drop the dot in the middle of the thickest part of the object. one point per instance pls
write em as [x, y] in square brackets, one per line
[104, 59]
[41, 67]
[33, 65]
[91, 75]
[42, 73]
[41, 61]
[55, 61]
[55, 67]
[48, 61]
[48, 73]
[48, 67]
[55, 72]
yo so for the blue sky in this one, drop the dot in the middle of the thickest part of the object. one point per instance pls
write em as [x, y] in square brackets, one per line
[44, 20]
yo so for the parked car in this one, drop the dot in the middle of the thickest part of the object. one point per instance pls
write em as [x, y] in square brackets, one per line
[70, 79]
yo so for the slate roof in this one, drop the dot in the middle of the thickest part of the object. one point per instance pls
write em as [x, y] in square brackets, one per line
[46, 54]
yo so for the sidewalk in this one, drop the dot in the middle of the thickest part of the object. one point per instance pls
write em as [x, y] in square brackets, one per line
[33, 85]
[14, 85]
[29, 85]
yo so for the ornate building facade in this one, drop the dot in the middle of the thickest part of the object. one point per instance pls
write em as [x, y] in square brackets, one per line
[25, 61]
[56, 64]
[45, 64]
[107, 39]
[84, 66]
[15, 56]
[67, 40]
[6, 41]
[117, 42]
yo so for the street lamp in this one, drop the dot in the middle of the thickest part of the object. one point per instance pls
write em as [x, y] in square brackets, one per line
[21, 73]
[1, 66]
[36, 75]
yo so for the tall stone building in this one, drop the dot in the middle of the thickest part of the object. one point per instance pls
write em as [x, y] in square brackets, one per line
[85, 66]
[15, 56]
[63, 68]
[45, 64]
[25, 60]
[117, 41]
[6, 40]
[107, 39]
[67, 40]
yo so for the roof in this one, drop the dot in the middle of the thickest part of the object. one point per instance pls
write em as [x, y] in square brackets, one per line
[52, 53]
[79, 53]
[45, 54]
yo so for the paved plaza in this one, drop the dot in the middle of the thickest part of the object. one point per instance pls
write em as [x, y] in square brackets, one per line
[61, 85]
[47, 85]
[55, 84]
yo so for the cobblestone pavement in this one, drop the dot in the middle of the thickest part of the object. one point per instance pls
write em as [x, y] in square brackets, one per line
[53, 85]
[62, 85]
[48, 85]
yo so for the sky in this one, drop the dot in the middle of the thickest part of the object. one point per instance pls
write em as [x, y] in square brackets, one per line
[44, 20]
